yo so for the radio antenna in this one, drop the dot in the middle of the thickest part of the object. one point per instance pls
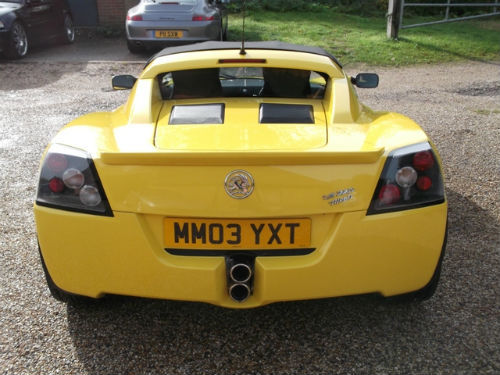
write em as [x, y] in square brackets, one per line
[242, 50]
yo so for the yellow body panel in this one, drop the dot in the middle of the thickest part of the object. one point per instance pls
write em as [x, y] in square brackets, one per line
[355, 254]
[241, 113]
[324, 173]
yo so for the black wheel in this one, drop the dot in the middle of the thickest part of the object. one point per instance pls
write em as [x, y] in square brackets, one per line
[58, 293]
[69, 30]
[17, 44]
[133, 47]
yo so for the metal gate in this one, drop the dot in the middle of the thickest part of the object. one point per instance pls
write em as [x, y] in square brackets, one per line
[396, 12]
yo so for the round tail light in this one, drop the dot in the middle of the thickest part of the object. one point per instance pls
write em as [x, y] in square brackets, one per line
[89, 196]
[389, 194]
[406, 177]
[423, 160]
[424, 183]
[57, 162]
[56, 185]
[73, 178]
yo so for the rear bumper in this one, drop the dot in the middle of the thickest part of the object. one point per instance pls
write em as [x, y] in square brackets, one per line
[390, 254]
[143, 32]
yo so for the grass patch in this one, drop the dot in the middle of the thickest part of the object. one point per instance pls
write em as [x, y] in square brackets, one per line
[486, 112]
[356, 39]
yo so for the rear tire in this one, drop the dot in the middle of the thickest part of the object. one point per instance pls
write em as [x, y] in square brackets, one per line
[134, 48]
[68, 36]
[17, 44]
[58, 293]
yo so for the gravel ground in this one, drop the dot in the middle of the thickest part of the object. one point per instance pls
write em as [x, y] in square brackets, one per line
[456, 332]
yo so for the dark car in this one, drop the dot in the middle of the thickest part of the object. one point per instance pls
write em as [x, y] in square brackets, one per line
[24, 23]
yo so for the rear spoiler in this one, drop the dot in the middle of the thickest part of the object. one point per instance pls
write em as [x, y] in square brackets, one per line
[175, 158]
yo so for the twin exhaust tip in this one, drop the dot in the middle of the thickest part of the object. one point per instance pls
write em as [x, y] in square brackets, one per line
[240, 273]
[240, 277]
[239, 292]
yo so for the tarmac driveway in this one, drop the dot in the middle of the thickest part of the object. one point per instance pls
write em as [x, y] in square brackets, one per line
[456, 332]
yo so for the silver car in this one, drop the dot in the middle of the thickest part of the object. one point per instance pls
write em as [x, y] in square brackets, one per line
[159, 23]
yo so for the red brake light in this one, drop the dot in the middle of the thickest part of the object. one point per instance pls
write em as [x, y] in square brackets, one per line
[56, 185]
[202, 18]
[424, 183]
[389, 194]
[137, 17]
[423, 160]
[242, 61]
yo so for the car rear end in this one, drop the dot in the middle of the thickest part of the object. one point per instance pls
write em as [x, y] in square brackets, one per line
[159, 23]
[248, 208]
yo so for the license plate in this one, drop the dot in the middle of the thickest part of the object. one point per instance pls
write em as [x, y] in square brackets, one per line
[235, 234]
[168, 34]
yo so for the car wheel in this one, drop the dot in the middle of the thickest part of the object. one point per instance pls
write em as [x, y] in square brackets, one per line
[17, 45]
[133, 47]
[58, 293]
[69, 30]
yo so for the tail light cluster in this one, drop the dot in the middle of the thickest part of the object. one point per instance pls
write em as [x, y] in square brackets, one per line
[411, 178]
[202, 18]
[136, 17]
[139, 17]
[69, 181]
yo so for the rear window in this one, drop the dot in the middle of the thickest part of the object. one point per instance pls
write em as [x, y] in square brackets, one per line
[242, 82]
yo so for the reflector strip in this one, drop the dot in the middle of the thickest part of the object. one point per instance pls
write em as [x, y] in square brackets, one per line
[244, 61]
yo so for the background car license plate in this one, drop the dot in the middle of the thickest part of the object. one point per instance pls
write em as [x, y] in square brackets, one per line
[181, 233]
[168, 34]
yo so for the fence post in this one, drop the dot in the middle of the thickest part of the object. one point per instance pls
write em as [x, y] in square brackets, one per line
[393, 18]
[447, 13]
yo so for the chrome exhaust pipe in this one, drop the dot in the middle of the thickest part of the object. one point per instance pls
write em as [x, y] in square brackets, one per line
[239, 292]
[240, 275]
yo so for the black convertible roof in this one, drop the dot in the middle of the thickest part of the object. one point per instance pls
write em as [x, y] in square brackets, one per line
[274, 45]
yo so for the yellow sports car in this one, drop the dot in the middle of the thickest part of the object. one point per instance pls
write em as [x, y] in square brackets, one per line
[241, 177]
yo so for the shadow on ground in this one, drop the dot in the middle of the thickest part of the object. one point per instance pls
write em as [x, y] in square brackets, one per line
[50, 61]
[362, 334]
[25, 75]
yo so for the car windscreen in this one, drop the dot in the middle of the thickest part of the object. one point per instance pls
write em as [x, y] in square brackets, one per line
[242, 82]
